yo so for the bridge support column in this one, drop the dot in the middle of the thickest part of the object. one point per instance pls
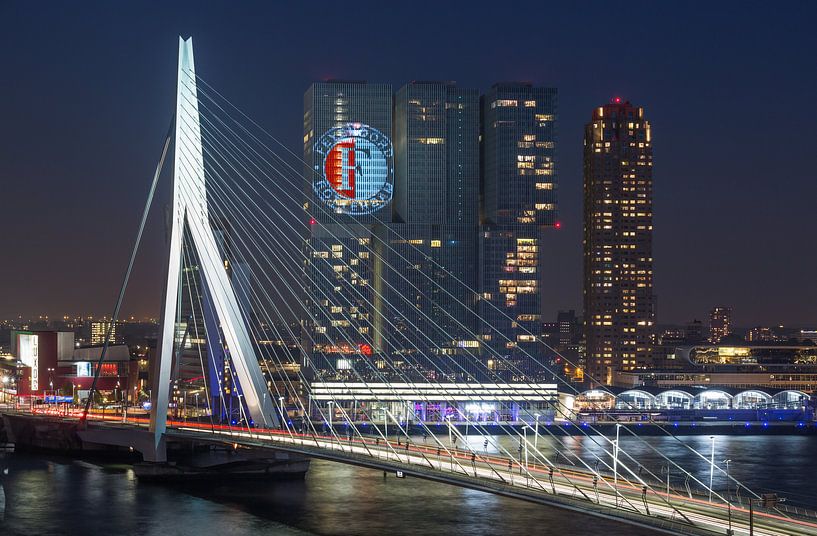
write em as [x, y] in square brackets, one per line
[190, 212]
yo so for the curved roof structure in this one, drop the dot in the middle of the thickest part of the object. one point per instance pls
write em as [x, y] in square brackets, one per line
[738, 398]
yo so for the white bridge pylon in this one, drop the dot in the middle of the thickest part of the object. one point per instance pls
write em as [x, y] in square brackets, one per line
[190, 211]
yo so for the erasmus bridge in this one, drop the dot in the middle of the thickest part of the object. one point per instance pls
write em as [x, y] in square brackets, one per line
[235, 187]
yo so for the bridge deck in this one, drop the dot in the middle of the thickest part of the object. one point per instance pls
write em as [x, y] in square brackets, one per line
[561, 486]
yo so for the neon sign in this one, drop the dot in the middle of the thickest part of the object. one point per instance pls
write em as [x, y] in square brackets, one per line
[355, 169]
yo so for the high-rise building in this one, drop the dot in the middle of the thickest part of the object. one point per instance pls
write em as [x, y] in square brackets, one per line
[761, 334]
[720, 323]
[568, 327]
[99, 330]
[694, 332]
[519, 203]
[431, 265]
[436, 142]
[350, 178]
[618, 227]
[393, 285]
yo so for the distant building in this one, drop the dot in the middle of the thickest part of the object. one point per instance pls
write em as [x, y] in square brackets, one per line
[49, 363]
[720, 323]
[618, 228]
[726, 366]
[694, 332]
[569, 328]
[807, 335]
[99, 330]
[761, 334]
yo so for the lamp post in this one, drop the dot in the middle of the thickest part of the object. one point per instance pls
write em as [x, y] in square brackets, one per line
[728, 499]
[527, 468]
[615, 461]
[330, 404]
[450, 444]
[668, 474]
[124, 395]
[536, 433]
[283, 418]
[711, 466]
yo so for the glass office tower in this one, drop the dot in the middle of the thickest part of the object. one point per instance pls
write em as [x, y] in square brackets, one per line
[519, 206]
[430, 274]
[349, 187]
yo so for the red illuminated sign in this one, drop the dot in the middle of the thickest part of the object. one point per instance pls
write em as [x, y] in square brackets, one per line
[340, 174]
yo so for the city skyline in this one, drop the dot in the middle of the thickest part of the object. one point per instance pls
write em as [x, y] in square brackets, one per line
[529, 268]
[707, 251]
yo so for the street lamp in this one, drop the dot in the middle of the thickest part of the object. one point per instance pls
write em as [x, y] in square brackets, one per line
[330, 403]
[615, 462]
[450, 445]
[536, 433]
[728, 499]
[711, 466]
[283, 419]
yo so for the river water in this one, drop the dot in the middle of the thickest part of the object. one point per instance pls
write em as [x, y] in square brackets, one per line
[50, 495]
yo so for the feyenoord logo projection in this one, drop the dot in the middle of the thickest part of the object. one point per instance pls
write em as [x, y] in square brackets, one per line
[355, 169]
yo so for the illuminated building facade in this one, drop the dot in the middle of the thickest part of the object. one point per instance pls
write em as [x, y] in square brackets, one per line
[519, 204]
[720, 323]
[390, 260]
[761, 334]
[618, 228]
[349, 164]
[429, 251]
[49, 364]
[437, 153]
[99, 330]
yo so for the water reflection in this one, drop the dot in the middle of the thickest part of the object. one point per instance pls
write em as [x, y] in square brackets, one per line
[60, 496]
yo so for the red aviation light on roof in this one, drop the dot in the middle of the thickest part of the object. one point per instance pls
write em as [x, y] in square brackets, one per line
[617, 100]
[558, 225]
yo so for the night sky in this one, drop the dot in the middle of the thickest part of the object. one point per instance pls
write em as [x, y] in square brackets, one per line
[87, 91]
